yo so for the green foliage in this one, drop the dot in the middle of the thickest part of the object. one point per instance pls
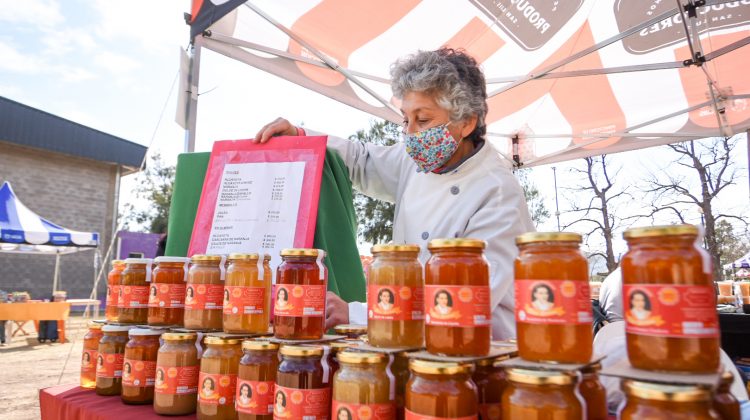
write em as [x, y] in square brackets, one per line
[731, 245]
[154, 187]
[539, 212]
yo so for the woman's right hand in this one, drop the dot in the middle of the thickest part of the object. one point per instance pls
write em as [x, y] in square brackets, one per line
[277, 127]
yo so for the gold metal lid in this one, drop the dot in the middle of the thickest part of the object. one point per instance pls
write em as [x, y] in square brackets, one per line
[532, 237]
[239, 256]
[394, 248]
[299, 252]
[492, 361]
[727, 377]
[355, 357]
[350, 329]
[92, 325]
[456, 243]
[118, 262]
[592, 368]
[221, 340]
[669, 230]
[337, 346]
[160, 260]
[171, 336]
[539, 377]
[438, 368]
[205, 258]
[665, 392]
[138, 260]
[301, 351]
[259, 345]
[266, 257]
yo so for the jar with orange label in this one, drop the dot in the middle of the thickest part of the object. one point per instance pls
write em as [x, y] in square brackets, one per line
[177, 368]
[89, 355]
[457, 298]
[644, 400]
[205, 293]
[301, 391]
[540, 394]
[247, 297]
[331, 359]
[399, 368]
[351, 331]
[300, 296]
[553, 300]
[217, 381]
[490, 381]
[114, 277]
[361, 387]
[109, 360]
[442, 390]
[395, 297]
[724, 402]
[166, 299]
[256, 379]
[593, 392]
[669, 301]
[134, 289]
[139, 366]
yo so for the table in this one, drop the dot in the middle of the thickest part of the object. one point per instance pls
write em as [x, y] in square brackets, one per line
[86, 302]
[20, 313]
[735, 334]
[64, 402]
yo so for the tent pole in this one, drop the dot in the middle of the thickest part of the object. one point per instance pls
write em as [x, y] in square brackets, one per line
[57, 272]
[191, 111]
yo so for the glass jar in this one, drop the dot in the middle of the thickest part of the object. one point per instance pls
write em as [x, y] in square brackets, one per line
[89, 355]
[256, 380]
[134, 289]
[539, 395]
[645, 400]
[299, 296]
[593, 392]
[351, 331]
[109, 360]
[301, 391]
[724, 402]
[457, 298]
[217, 381]
[139, 366]
[204, 294]
[441, 389]
[114, 277]
[669, 301]
[361, 387]
[177, 369]
[330, 359]
[490, 381]
[553, 300]
[166, 300]
[399, 368]
[247, 297]
[395, 297]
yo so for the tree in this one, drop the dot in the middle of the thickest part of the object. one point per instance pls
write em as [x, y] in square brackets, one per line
[155, 188]
[732, 246]
[537, 209]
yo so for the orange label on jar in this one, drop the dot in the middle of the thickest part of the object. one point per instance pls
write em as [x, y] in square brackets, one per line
[88, 361]
[113, 295]
[410, 415]
[139, 373]
[457, 306]
[133, 297]
[395, 303]
[109, 365]
[553, 302]
[204, 296]
[216, 389]
[254, 397]
[296, 300]
[307, 404]
[493, 411]
[241, 300]
[166, 295]
[176, 380]
[363, 411]
[670, 310]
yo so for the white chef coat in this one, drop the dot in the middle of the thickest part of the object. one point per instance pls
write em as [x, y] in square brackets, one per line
[479, 199]
[610, 296]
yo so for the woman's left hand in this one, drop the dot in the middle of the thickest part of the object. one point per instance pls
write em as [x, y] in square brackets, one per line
[337, 311]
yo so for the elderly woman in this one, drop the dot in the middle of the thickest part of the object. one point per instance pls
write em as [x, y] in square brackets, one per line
[445, 179]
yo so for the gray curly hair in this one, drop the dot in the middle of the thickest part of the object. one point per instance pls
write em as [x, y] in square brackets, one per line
[452, 76]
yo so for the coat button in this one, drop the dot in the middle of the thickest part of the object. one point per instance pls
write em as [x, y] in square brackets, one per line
[425, 235]
[455, 190]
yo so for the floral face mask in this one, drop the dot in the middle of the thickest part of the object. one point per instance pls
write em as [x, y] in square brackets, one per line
[430, 148]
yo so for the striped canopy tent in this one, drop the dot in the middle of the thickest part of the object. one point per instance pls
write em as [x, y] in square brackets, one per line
[565, 79]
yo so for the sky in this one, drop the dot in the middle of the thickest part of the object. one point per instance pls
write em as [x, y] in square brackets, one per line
[111, 65]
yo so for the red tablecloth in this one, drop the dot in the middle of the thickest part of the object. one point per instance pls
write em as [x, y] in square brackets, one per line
[71, 402]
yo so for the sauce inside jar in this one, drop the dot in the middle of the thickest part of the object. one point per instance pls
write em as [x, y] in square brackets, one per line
[217, 382]
[112, 311]
[139, 366]
[457, 298]
[110, 358]
[204, 294]
[553, 303]
[331, 359]
[301, 391]
[362, 385]
[724, 402]
[247, 295]
[256, 380]
[177, 368]
[134, 289]
[395, 297]
[645, 400]
[593, 392]
[536, 394]
[490, 381]
[299, 296]
[89, 355]
[441, 389]
[664, 266]
[351, 331]
[166, 299]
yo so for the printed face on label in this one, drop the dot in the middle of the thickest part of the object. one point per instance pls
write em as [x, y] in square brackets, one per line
[640, 305]
[282, 298]
[280, 402]
[126, 370]
[343, 414]
[153, 291]
[189, 294]
[246, 392]
[226, 296]
[159, 377]
[443, 302]
[208, 388]
[542, 297]
[86, 359]
[386, 299]
[100, 361]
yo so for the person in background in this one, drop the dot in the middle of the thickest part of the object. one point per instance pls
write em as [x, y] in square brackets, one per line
[610, 296]
[3, 299]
